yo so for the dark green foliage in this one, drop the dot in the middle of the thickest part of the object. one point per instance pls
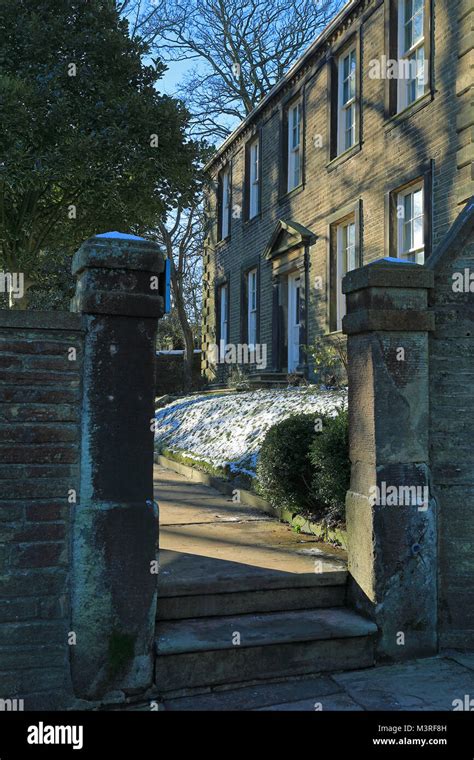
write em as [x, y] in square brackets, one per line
[76, 152]
[121, 651]
[284, 472]
[329, 457]
[304, 470]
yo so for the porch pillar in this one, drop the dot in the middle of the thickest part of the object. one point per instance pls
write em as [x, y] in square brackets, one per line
[391, 515]
[276, 324]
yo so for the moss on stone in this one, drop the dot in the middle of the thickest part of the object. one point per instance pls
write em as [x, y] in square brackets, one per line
[121, 651]
[199, 464]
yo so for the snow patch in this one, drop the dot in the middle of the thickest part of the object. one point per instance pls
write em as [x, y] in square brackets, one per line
[228, 429]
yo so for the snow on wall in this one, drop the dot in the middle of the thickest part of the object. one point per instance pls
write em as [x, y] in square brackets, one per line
[229, 429]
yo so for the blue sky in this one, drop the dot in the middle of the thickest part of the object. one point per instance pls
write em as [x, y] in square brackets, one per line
[170, 82]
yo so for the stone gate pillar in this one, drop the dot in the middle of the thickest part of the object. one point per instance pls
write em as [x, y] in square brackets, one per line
[113, 589]
[391, 515]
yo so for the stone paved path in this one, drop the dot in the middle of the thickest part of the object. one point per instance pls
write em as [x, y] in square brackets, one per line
[209, 542]
[206, 538]
[435, 683]
[429, 684]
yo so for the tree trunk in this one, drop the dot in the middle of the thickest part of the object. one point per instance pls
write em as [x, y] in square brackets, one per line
[188, 346]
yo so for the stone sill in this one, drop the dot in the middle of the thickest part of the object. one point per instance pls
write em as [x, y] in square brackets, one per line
[400, 117]
[341, 158]
[222, 243]
[288, 194]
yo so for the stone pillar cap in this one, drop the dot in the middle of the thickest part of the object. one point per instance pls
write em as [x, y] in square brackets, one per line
[388, 272]
[118, 250]
[115, 276]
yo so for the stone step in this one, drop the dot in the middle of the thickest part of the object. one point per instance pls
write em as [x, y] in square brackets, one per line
[250, 601]
[204, 652]
[237, 568]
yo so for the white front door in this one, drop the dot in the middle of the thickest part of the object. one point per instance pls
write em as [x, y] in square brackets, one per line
[293, 322]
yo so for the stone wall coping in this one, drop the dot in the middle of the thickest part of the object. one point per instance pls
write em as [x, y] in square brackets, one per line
[40, 320]
[388, 273]
[114, 251]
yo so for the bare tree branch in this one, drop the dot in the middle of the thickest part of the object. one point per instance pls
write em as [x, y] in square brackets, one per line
[241, 49]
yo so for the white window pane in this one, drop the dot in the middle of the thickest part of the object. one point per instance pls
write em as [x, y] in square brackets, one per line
[407, 207]
[408, 35]
[345, 65]
[345, 91]
[420, 70]
[417, 27]
[255, 161]
[418, 232]
[349, 126]
[225, 204]
[223, 311]
[352, 86]
[407, 236]
[418, 202]
[294, 147]
[252, 307]
[351, 261]
[254, 180]
[351, 234]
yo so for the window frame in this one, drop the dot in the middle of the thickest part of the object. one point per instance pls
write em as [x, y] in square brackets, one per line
[252, 305]
[343, 106]
[223, 314]
[223, 210]
[254, 178]
[291, 150]
[394, 106]
[407, 54]
[401, 222]
[226, 203]
[423, 174]
[343, 225]
[350, 214]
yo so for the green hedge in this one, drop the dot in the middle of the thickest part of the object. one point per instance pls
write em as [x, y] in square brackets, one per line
[329, 456]
[284, 471]
[305, 469]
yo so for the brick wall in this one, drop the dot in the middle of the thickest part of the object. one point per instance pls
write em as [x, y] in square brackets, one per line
[391, 152]
[40, 396]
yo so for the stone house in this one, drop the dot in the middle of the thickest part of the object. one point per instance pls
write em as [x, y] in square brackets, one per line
[363, 150]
